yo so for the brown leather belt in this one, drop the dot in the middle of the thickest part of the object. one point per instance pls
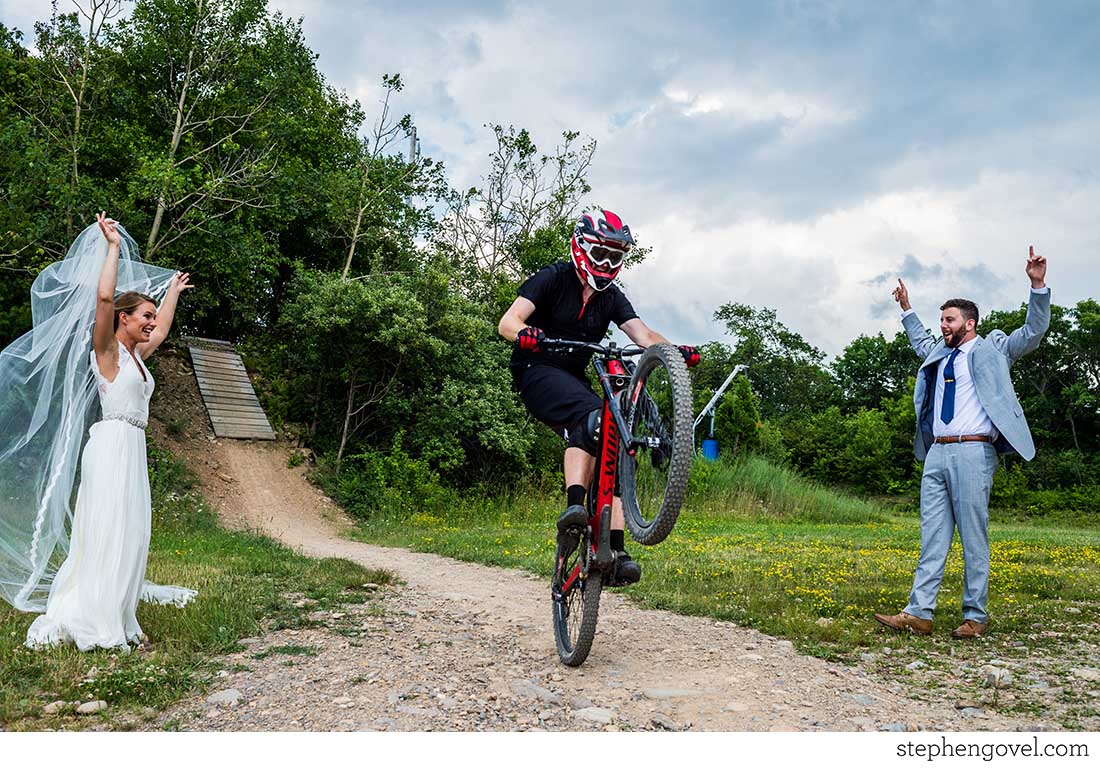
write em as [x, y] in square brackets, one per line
[964, 439]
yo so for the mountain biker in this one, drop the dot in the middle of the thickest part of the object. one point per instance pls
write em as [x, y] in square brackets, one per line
[577, 300]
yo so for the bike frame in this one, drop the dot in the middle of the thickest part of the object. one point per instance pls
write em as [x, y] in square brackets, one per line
[614, 375]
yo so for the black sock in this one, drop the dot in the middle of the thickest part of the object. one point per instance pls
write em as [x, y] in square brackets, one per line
[574, 495]
[618, 541]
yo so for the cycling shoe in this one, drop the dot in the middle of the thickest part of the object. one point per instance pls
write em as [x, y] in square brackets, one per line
[574, 518]
[627, 570]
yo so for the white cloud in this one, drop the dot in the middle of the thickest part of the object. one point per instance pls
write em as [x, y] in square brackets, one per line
[820, 273]
[801, 115]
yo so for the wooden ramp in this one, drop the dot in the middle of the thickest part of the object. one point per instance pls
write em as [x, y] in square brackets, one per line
[231, 402]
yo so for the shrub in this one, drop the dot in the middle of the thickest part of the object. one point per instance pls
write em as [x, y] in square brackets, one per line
[771, 444]
[372, 483]
[1058, 469]
[1009, 485]
[864, 459]
[737, 420]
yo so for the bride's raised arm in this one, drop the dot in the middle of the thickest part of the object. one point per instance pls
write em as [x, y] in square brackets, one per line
[103, 333]
[165, 313]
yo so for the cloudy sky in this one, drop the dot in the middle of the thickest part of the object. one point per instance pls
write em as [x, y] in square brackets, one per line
[798, 154]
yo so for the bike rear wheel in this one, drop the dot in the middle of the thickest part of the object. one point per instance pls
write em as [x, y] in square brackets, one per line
[654, 480]
[577, 610]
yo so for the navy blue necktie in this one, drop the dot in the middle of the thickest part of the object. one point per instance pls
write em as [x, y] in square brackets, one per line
[947, 409]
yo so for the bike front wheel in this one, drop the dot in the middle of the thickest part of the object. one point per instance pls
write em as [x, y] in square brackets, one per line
[576, 607]
[654, 479]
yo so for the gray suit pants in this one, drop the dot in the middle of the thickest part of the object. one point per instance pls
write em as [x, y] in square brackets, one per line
[954, 493]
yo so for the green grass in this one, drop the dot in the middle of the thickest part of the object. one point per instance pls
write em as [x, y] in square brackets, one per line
[247, 584]
[760, 546]
[758, 489]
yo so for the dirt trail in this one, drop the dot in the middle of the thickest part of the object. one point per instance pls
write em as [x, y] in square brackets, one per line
[467, 647]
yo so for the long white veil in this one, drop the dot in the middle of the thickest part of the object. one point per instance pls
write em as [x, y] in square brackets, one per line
[47, 403]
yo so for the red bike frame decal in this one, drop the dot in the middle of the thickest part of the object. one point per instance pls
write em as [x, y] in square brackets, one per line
[608, 465]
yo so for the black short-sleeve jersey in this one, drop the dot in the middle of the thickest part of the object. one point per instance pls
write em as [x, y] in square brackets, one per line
[557, 293]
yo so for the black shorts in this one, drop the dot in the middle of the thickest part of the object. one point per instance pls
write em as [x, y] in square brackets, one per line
[556, 397]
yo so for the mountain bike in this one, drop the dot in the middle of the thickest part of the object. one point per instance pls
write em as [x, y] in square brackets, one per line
[645, 452]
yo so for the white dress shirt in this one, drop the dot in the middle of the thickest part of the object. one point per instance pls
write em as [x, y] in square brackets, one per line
[970, 418]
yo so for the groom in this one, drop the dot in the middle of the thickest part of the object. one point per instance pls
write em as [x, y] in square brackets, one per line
[967, 414]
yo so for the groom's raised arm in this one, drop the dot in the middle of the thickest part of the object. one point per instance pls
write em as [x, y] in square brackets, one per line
[921, 341]
[1027, 337]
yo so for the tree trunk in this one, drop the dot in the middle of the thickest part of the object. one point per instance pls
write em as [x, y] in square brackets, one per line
[1073, 429]
[177, 134]
[358, 223]
[347, 419]
[78, 112]
[317, 404]
[354, 240]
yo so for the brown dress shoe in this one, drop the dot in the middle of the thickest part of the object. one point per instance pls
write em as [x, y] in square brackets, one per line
[905, 622]
[969, 629]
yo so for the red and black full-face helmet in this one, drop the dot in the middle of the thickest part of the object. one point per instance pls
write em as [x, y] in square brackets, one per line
[600, 242]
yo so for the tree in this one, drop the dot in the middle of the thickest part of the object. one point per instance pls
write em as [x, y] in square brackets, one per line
[64, 88]
[49, 101]
[737, 420]
[871, 370]
[523, 193]
[401, 357]
[864, 461]
[715, 364]
[260, 106]
[377, 194]
[203, 70]
[785, 370]
[16, 236]
[363, 330]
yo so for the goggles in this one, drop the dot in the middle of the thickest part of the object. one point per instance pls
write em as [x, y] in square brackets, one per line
[604, 257]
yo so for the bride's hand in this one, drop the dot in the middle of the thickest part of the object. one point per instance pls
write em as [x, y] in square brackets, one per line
[108, 228]
[181, 282]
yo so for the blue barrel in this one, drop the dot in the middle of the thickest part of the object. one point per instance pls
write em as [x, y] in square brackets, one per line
[710, 449]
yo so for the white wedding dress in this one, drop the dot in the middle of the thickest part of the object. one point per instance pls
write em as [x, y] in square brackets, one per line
[94, 596]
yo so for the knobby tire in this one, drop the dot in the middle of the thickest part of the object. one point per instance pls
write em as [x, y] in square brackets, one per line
[648, 522]
[575, 616]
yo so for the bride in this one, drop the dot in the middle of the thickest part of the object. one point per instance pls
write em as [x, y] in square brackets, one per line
[91, 598]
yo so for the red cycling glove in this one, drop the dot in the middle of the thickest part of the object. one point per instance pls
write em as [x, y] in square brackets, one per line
[529, 339]
[691, 355]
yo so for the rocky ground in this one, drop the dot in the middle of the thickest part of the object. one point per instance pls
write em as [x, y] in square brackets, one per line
[435, 660]
[459, 646]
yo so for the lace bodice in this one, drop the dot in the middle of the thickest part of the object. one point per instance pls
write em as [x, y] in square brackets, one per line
[129, 394]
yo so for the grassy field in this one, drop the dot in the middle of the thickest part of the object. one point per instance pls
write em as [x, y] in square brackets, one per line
[757, 545]
[246, 584]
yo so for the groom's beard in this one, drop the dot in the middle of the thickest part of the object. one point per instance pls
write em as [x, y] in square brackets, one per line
[953, 339]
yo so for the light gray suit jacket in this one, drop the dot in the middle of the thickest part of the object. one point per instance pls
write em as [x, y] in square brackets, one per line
[989, 361]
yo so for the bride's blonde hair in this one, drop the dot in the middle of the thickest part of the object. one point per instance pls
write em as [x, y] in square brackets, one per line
[129, 301]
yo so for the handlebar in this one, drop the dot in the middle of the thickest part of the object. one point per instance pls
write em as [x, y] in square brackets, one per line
[568, 345]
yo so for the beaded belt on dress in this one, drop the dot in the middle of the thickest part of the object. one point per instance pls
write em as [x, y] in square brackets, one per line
[135, 421]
